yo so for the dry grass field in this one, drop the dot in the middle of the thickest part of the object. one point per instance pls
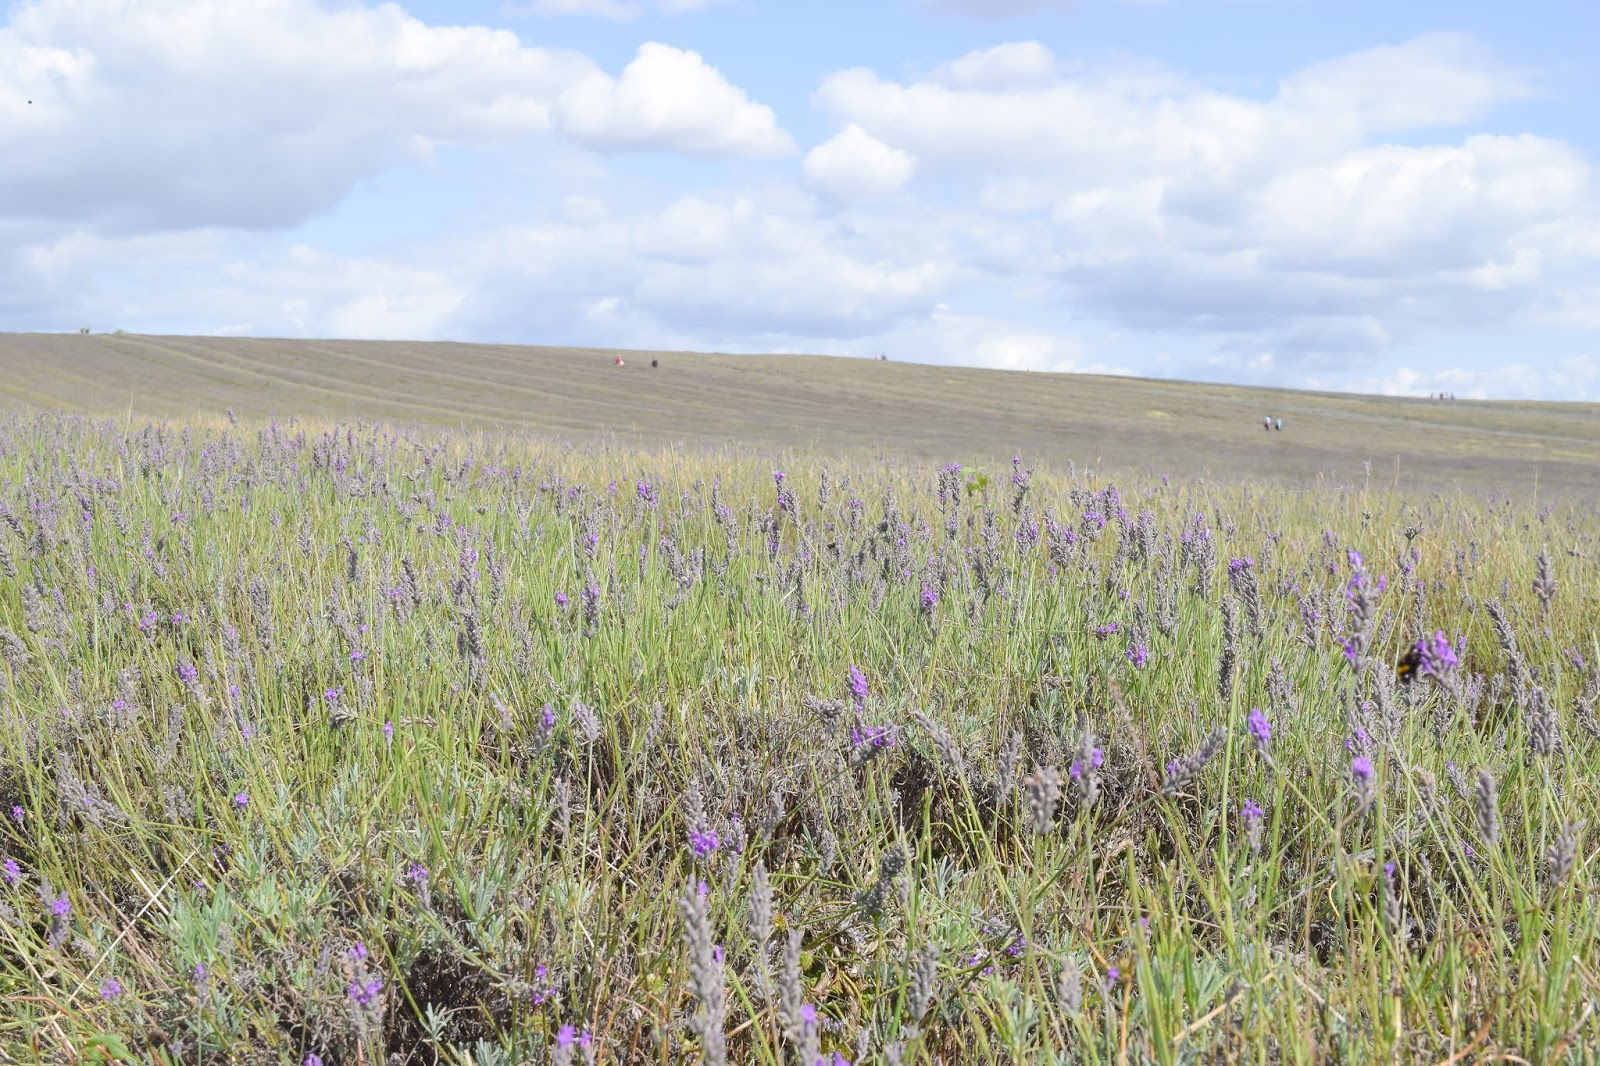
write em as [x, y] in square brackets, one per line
[836, 405]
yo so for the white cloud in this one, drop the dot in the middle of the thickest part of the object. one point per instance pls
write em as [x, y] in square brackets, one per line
[854, 165]
[1432, 81]
[178, 113]
[1572, 377]
[1018, 65]
[170, 114]
[669, 100]
[1288, 224]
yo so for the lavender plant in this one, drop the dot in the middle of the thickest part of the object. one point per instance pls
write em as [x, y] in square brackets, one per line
[358, 743]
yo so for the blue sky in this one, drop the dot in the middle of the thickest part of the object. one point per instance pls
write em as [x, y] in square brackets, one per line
[1357, 196]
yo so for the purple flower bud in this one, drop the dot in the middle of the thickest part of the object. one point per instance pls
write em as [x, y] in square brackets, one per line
[702, 842]
[858, 685]
[1260, 729]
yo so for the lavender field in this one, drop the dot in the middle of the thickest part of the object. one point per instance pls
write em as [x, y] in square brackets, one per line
[345, 744]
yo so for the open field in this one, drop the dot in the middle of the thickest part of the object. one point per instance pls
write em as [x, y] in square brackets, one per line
[831, 405]
[360, 745]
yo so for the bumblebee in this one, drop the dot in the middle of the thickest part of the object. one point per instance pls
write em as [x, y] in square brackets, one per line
[1405, 671]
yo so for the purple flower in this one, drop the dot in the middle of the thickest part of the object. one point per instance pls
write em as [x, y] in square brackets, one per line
[312, 1059]
[546, 990]
[188, 673]
[388, 732]
[1438, 657]
[13, 872]
[1096, 759]
[702, 842]
[808, 1014]
[417, 873]
[561, 600]
[566, 1036]
[17, 813]
[365, 993]
[858, 685]
[1113, 975]
[1260, 729]
[60, 907]
[777, 478]
[1138, 655]
[1361, 769]
[110, 989]
[1251, 815]
[930, 599]
[241, 800]
[646, 493]
[1236, 566]
[1109, 629]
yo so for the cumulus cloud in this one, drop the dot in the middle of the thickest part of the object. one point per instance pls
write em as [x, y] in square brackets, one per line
[178, 113]
[668, 99]
[1020, 64]
[729, 270]
[1292, 224]
[1435, 80]
[170, 114]
[854, 165]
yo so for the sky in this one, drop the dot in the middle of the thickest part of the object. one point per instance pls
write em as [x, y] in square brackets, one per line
[1334, 194]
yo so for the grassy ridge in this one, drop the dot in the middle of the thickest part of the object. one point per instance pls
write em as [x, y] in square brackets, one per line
[355, 742]
[834, 405]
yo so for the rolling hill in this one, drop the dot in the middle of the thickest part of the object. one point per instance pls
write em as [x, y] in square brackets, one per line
[781, 402]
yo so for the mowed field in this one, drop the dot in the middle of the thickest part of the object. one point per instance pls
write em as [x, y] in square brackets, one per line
[829, 404]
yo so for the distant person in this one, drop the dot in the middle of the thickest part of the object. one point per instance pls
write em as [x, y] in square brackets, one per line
[619, 361]
[1266, 423]
[1277, 424]
[655, 364]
